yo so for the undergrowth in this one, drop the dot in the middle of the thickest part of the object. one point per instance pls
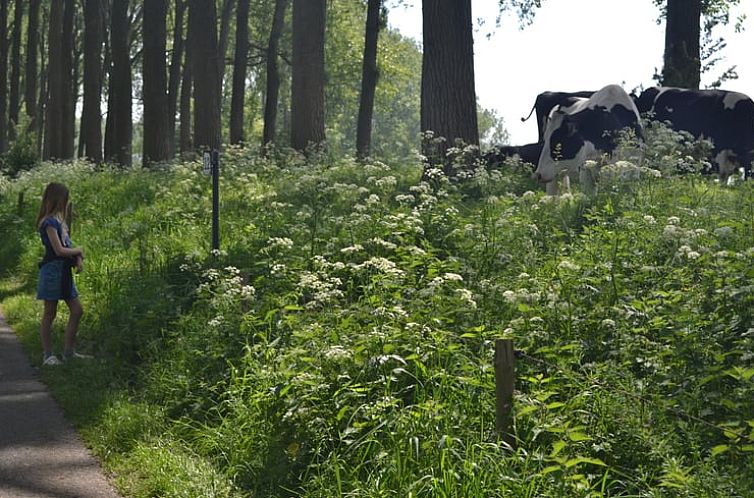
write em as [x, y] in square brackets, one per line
[341, 343]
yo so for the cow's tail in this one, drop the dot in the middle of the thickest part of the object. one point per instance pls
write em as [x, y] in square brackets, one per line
[530, 113]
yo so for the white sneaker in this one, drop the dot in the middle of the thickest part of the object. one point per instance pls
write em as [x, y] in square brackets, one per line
[76, 356]
[52, 361]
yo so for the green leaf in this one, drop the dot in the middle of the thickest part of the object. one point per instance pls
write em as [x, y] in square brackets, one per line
[526, 410]
[342, 413]
[579, 460]
[550, 469]
[720, 448]
[578, 436]
[557, 447]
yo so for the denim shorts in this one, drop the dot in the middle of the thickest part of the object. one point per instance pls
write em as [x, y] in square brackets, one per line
[50, 285]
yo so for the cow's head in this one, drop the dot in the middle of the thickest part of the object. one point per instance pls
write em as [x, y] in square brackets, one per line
[565, 147]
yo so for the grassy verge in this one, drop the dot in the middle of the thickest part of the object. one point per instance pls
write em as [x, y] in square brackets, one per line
[341, 343]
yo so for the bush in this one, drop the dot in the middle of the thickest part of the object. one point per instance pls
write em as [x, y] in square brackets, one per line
[23, 154]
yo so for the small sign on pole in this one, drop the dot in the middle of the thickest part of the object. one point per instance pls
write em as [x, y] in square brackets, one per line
[207, 163]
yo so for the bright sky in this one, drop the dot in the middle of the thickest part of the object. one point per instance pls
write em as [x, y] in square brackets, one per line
[573, 45]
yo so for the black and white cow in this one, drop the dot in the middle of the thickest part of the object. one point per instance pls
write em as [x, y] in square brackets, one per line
[546, 101]
[584, 130]
[528, 153]
[726, 118]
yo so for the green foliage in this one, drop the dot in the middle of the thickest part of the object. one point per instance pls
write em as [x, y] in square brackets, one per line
[342, 342]
[23, 154]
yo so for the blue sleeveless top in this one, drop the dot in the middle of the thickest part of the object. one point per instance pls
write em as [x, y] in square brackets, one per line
[51, 221]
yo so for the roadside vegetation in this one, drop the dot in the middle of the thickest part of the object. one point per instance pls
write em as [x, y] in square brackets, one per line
[341, 343]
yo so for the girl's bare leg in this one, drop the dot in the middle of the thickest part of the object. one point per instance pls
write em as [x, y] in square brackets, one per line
[45, 330]
[72, 327]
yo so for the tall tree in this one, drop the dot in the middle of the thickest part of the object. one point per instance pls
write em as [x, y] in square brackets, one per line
[308, 77]
[203, 34]
[174, 73]
[119, 136]
[3, 76]
[448, 97]
[15, 58]
[32, 42]
[91, 135]
[273, 74]
[222, 46]
[186, 92]
[70, 90]
[369, 75]
[239, 73]
[682, 60]
[54, 124]
[157, 146]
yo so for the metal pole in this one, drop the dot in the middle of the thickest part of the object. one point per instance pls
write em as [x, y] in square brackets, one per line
[215, 200]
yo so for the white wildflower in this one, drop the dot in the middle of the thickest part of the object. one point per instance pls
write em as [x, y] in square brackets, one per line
[466, 296]
[568, 265]
[352, 249]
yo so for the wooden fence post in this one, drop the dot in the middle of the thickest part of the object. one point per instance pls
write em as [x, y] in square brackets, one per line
[69, 217]
[20, 205]
[504, 384]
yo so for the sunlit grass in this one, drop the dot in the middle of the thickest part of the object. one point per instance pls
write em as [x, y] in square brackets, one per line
[341, 344]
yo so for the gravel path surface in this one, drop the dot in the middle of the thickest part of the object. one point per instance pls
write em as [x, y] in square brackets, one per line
[41, 455]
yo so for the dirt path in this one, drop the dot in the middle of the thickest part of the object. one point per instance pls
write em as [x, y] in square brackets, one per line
[41, 455]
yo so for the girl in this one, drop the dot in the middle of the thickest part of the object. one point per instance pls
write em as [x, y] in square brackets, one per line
[55, 279]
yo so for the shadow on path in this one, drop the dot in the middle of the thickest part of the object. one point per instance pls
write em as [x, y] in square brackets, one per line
[41, 455]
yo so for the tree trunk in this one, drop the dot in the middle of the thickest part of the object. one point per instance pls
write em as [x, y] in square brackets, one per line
[3, 76]
[239, 73]
[308, 77]
[156, 137]
[203, 21]
[32, 43]
[15, 77]
[76, 67]
[273, 74]
[175, 70]
[57, 95]
[369, 77]
[682, 61]
[186, 87]
[69, 88]
[222, 47]
[448, 97]
[91, 117]
[120, 132]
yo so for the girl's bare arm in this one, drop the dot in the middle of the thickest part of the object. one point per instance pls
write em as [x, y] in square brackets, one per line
[58, 248]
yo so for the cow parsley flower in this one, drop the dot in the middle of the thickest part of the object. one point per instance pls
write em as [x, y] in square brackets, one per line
[568, 265]
[352, 249]
[279, 243]
[466, 296]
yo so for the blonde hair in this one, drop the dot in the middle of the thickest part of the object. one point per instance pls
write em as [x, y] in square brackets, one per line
[54, 202]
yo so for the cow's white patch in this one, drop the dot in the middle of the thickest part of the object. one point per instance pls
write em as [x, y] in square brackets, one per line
[732, 98]
[549, 167]
[611, 96]
[727, 162]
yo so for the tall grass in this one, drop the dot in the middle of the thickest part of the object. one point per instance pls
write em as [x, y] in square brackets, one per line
[341, 343]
